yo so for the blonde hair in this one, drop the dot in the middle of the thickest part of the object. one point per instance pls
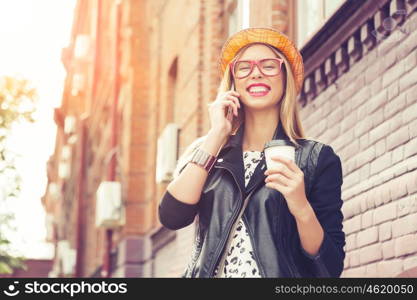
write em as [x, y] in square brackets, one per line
[288, 109]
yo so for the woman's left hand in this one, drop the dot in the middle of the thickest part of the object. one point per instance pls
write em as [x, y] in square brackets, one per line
[288, 179]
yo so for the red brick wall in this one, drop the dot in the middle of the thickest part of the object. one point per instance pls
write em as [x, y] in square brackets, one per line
[369, 117]
[169, 43]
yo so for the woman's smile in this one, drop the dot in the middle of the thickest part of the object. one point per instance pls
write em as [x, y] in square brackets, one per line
[258, 89]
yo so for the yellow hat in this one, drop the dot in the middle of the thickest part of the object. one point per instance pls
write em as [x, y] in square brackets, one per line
[268, 36]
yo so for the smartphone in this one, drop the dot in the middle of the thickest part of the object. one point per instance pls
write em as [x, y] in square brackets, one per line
[230, 110]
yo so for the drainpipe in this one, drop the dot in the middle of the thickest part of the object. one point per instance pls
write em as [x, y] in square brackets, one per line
[80, 199]
[106, 272]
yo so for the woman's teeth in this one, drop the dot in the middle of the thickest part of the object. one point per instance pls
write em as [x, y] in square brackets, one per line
[258, 92]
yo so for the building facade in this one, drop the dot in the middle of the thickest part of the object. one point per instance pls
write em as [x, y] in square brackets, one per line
[140, 76]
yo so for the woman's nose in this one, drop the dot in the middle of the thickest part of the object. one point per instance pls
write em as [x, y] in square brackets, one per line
[256, 72]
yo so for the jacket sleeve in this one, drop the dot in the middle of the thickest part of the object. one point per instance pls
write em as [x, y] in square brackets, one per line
[325, 198]
[173, 213]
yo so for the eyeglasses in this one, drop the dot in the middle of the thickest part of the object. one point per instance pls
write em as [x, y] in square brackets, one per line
[268, 67]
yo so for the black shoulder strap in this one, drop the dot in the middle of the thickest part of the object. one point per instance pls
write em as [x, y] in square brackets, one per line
[307, 159]
[312, 163]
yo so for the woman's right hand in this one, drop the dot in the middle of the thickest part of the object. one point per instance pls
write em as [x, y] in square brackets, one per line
[218, 109]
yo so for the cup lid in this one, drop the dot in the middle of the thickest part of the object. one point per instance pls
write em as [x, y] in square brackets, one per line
[279, 142]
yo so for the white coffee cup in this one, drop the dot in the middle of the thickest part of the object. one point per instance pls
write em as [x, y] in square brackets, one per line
[280, 147]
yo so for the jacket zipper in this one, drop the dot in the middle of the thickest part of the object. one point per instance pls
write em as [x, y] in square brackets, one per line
[258, 261]
[230, 236]
[232, 224]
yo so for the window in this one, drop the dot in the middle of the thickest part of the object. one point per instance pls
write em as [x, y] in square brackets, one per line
[311, 15]
[239, 16]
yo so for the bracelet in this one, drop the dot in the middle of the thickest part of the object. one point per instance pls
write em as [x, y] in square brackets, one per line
[203, 159]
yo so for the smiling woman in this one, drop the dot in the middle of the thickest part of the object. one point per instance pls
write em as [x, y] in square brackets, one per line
[285, 222]
[31, 49]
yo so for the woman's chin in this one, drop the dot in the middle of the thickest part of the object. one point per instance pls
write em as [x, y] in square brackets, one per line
[258, 106]
[260, 102]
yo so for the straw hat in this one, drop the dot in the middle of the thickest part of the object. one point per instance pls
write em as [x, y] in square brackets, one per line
[268, 36]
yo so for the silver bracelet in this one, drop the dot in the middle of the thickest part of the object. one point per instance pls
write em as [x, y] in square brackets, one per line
[203, 159]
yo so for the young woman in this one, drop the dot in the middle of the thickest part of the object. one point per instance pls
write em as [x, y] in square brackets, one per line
[254, 222]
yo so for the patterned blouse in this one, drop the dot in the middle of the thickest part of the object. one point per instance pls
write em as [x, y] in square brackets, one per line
[240, 261]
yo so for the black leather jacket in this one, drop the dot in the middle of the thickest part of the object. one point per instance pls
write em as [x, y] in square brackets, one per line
[271, 226]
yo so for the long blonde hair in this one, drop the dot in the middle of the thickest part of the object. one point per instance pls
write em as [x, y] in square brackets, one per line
[288, 109]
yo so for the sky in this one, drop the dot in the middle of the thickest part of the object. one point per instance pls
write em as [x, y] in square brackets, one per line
[32, 35]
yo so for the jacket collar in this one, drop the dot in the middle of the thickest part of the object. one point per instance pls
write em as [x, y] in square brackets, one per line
[231, 157]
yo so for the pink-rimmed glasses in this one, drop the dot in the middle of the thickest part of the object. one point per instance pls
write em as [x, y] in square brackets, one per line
[268, 67]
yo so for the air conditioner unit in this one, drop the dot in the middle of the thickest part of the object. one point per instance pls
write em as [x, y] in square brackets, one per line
[69, 124]
[68, 261]
[62, 246]
[64, 170]
[82, 46]
[109, 206]
[53, 191]
[67, 257]
[167, 152]
[72, 139]
[49, 224]
[66, 153]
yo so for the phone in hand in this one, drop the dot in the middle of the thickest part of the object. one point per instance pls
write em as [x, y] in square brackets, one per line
[230, 114]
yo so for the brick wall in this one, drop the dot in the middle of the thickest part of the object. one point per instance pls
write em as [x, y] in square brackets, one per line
[369, 117]
[190, 46]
